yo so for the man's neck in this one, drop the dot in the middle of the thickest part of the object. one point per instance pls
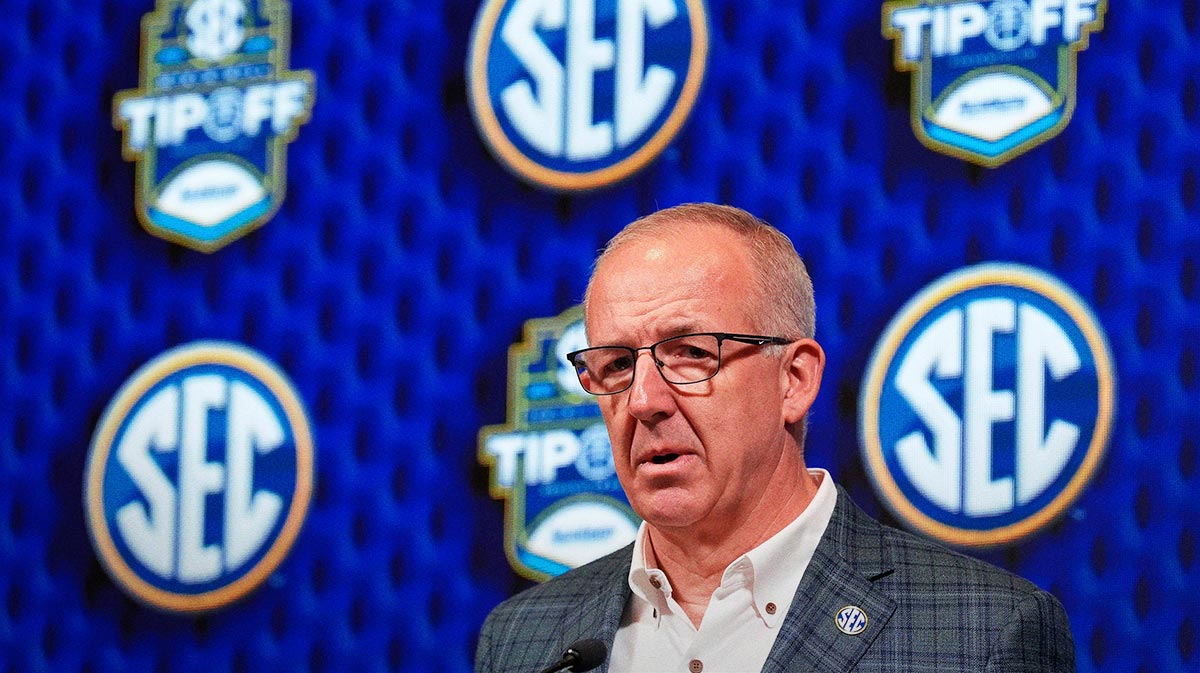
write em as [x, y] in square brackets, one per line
[695, 559]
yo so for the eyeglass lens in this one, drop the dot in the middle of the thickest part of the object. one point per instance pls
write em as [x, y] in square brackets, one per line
[684, 359]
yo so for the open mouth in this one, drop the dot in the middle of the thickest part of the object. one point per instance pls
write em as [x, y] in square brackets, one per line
[664, 458]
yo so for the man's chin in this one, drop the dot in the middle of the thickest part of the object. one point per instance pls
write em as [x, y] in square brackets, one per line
[669, 508]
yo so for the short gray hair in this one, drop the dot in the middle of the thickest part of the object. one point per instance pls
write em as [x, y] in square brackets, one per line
[784, 305]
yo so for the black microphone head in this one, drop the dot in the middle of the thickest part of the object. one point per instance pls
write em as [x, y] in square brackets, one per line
[587, 653]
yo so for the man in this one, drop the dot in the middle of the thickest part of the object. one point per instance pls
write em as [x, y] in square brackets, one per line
[701, 320]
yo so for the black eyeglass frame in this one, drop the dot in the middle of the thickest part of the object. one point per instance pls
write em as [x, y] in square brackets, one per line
[721, 337]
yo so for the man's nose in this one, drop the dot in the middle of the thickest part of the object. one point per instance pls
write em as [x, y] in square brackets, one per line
[650, 395]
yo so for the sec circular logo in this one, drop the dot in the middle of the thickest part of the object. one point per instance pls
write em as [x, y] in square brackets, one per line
[851, 620]
[199, 477]
[987, 405]
[578, 94]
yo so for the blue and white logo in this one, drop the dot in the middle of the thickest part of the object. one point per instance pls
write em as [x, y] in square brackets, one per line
[851, 620]
[987, 405]
[210, 124]
[992, 78]
[552, 462]
[578, 94]
[199, 477]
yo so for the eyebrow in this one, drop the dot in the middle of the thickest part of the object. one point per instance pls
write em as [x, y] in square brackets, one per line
[675, 329]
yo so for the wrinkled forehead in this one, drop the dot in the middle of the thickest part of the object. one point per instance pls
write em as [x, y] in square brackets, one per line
[662, 285]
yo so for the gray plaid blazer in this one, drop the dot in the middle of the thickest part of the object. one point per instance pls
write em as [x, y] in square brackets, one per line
[929, 610]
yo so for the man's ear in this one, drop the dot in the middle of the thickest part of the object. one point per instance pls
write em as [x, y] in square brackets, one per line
[804, 362]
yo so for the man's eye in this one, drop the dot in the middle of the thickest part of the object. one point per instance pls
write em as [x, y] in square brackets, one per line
[681, 352]
[618, 365]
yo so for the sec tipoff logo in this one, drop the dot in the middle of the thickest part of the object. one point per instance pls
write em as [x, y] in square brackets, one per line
[199, 477]
[553, 462]
[577, 94]
[210, 124]
[987, 405]
[992, 78]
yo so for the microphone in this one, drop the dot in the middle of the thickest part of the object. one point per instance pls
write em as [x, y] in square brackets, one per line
[582, 655]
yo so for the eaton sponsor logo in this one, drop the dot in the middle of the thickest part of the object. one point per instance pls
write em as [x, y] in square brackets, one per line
[991, 79]
[210, 123]
[552, 462]
[199, 477]
[578, 94]
[987, 405]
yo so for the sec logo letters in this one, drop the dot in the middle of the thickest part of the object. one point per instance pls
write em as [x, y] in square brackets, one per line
[987, 405]
[199, 477]
[578, 94]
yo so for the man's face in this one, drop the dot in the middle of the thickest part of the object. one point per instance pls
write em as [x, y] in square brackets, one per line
[706, 454]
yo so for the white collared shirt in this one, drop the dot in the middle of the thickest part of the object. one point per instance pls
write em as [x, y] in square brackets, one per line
[744, 614]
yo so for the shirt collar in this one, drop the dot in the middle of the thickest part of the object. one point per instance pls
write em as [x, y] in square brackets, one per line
[772, 570]
[777, 565]
[646, 581]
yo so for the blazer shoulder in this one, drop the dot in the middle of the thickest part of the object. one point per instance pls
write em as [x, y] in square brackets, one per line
[521, 632]
[896, 555]
[920, 558]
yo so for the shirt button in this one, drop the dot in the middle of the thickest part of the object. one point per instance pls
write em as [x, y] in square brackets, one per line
[771, 608]
[655, 582]
[695, 666]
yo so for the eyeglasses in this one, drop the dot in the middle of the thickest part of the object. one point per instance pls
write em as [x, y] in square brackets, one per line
[684, 359]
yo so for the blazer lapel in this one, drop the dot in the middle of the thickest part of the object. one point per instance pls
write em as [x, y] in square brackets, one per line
[600, 608]
[841, 574]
